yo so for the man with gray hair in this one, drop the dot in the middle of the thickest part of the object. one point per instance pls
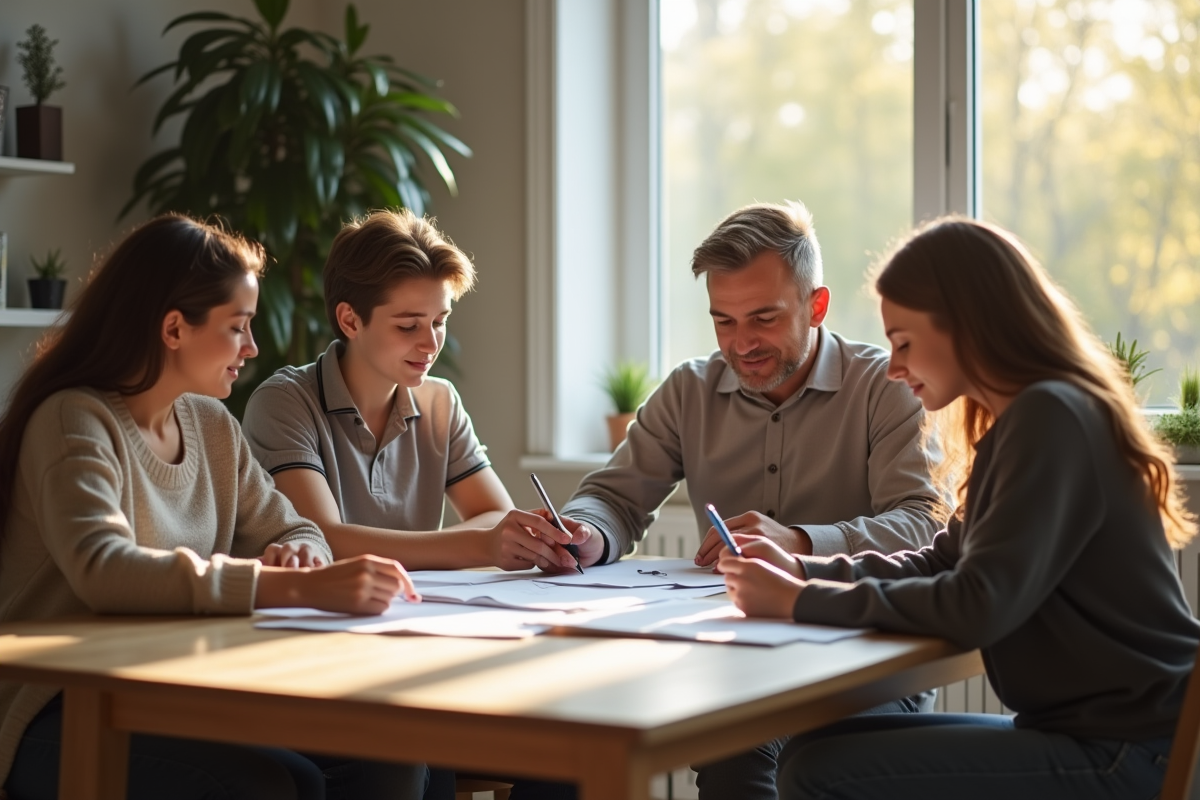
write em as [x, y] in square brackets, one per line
[791, 431]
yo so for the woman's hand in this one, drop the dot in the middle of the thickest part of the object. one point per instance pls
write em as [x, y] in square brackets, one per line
[763, 549]
[291, 554]
[760, 589]
[359, 585]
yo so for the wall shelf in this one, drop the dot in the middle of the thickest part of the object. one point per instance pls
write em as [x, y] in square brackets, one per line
[1188, 472]
[29, 317]
[13, 167]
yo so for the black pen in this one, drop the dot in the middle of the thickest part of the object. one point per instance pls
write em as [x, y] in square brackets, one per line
[570, 548]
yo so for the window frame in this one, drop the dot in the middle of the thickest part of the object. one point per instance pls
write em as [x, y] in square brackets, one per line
[596, 167]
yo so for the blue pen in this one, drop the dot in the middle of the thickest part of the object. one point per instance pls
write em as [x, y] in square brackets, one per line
[570, 548]
[722, 531]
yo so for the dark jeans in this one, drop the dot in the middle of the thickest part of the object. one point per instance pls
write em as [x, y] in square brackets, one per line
[954, 756]
[183, 769]
[441, 787]
[751, 775]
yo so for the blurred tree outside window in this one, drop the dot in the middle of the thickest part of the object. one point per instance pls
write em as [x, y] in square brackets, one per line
[1091, 153]
[772, 100]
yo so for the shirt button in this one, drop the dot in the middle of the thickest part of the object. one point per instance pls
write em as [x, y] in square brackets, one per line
[358, 421]
[772, 469]
[774, 418]
[771, 513]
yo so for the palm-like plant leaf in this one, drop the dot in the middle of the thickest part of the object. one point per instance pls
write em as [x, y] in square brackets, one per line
[286, 134]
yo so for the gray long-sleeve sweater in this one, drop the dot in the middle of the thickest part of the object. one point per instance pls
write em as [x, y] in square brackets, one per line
[1060, 573]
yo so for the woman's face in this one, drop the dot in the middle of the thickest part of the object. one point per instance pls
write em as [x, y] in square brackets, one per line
[923, 356]
[209, 355]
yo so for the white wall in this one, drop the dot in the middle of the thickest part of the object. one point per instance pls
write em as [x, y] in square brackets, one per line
[104, 46]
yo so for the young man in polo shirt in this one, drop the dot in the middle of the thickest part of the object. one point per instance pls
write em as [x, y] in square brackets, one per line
[365, 443]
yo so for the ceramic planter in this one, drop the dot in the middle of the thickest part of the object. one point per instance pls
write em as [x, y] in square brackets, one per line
[39, 132]
[1187, 454]
[47, 292]
[617, 425]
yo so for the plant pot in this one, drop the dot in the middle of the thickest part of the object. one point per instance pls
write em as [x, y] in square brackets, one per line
[1187, 454]
[617, 425]
[39, 132]
[47, 292]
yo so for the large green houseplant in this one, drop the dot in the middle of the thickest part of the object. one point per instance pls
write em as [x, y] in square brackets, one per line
[287, 133]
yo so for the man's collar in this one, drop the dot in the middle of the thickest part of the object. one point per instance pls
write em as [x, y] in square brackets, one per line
[826, 374]
[335, 395]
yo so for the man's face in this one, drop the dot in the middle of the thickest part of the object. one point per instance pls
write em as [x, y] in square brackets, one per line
[406, 331]
[764, 326]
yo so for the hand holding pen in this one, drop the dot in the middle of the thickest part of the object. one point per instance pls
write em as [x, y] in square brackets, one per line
[554, 519]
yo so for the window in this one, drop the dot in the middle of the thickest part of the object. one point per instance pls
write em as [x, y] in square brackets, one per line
[772, 100]
[1091, 153]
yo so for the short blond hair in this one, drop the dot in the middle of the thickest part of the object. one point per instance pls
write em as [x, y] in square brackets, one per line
[371, 255]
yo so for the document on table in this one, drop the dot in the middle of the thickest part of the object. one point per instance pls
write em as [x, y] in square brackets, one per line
[702, 621]
[626, 574]
[631, 573]
[544, 596]
[430, 619]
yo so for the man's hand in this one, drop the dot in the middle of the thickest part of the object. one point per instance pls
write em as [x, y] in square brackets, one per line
[753, 523]
[584, 536]
[525, 539]
[291, 554]
[760, 589]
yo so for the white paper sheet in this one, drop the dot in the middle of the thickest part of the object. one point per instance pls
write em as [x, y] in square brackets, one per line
[631, 573]
[470, 577]
[540, 595]
[703, 621]
[432, 619]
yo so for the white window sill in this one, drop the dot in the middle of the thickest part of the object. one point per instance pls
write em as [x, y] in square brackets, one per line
[1188, 472]
[584, 462]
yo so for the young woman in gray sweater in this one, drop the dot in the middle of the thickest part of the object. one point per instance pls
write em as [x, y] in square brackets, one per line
[1057, 563]
[127, 488]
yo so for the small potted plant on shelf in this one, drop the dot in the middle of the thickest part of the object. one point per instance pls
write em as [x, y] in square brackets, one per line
[627, 385]
[39, 127]
[1182, 429]
[49, 287]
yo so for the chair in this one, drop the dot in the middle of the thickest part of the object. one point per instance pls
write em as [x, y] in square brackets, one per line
[464, 788]
[1182, 767]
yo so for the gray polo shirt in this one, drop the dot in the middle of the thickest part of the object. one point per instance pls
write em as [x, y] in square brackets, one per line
[841, 458]
[304, 418]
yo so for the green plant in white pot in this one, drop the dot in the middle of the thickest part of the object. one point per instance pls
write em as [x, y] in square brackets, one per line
[1182, 429]
[628, 384]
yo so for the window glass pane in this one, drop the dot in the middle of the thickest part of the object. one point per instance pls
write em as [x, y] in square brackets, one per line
[1091, 153]
[770, 100]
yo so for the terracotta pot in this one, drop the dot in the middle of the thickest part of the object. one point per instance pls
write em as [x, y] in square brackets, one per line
[39, 132]
[617, 425]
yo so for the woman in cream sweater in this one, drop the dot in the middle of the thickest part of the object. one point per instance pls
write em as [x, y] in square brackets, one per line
[127, 488]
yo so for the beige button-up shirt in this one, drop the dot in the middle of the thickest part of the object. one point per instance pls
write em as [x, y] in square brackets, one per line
[841, 458]
[304, 418]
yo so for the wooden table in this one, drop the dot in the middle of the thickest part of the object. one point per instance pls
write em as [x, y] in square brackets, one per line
[606, 713]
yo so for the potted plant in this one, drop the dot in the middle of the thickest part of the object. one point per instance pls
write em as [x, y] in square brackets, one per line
[48, 288]
[39, 127]
[1133, 359]
[287, 133]
[628, 385]
[1182, 429]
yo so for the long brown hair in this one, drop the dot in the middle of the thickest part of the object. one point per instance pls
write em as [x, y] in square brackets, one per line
[112, 340]
[1012, 327]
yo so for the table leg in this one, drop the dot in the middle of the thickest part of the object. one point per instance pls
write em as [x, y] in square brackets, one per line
[614, 773]
[95, 757]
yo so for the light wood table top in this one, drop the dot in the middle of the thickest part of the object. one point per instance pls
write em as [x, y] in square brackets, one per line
[605, 712]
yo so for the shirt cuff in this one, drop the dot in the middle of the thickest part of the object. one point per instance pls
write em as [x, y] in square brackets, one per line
[827, 540]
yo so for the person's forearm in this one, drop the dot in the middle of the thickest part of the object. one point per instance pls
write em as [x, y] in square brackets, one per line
[278, 587]
[488, 519]
[450, 548]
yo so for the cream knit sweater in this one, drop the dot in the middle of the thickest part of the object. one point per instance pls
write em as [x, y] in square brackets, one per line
[100, 524]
